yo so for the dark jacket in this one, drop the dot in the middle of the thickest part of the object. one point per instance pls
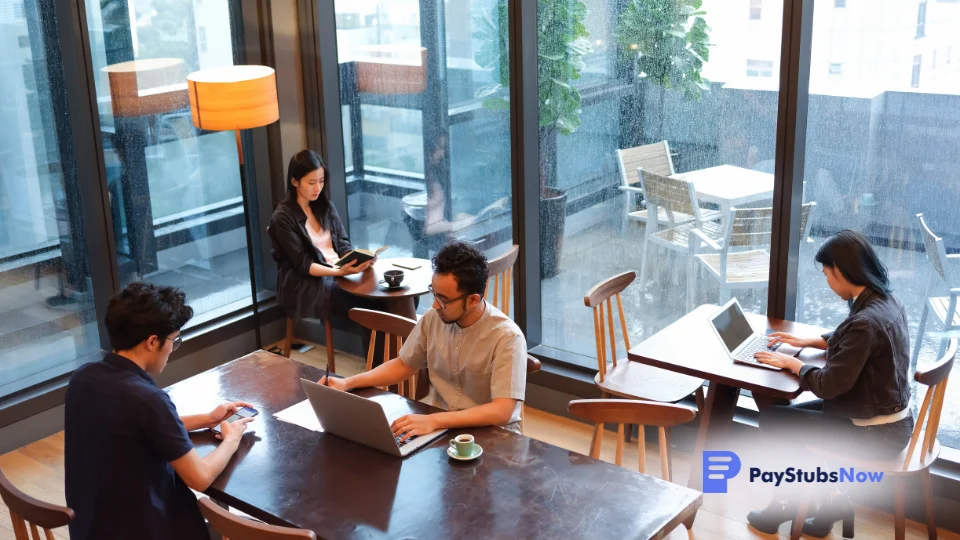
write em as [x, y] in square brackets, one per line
[302, 295]
[868, 360]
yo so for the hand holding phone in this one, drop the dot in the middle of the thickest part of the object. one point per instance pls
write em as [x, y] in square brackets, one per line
[242, 412]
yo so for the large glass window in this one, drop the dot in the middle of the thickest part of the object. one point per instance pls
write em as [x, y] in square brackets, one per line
[426, 123]
[687, 92]
[881, 148]
[174, 190]
[47, 319]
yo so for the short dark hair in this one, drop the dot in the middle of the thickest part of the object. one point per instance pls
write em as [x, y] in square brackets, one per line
[142, 310]
[851, 253]
[467, 264]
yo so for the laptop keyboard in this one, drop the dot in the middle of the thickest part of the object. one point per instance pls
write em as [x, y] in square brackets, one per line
[398, 438]
[759, 344]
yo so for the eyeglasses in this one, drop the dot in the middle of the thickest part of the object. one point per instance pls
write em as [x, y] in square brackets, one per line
[443, 303]
[177, 341]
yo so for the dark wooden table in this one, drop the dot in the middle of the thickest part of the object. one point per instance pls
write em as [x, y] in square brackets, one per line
[690, 346]
[518, 488]
[399, 301]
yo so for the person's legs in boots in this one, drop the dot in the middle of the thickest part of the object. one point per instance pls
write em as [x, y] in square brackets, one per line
[871, 442]
[785, 432]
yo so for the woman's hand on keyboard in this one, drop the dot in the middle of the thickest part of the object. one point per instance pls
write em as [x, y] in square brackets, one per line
[779, 360]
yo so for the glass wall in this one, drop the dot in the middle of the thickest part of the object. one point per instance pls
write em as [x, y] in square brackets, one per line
[47, 319]
[174, 190]
[687, 92]
[426, 123]
[882, 139]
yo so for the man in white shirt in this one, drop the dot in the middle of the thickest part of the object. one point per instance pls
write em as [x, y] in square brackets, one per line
[475, 355]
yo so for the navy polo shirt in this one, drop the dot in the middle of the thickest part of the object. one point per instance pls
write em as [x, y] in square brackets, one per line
[122, 432]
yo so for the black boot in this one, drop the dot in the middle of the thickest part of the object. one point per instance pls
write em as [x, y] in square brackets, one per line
[834, 507]
[770, 518]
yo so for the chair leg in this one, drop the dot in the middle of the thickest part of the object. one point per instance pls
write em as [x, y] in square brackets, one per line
[628, 433]
[927, 486]
[328, 337]
[595, 443]
[643, 251]
[899, 498]
[288, 339]
[691, 284]
[796, 528]
[919, 339]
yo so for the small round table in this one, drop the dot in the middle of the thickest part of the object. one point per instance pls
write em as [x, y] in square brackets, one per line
[399, 301]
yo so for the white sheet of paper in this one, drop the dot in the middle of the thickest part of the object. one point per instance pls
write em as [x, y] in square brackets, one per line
[301, 415]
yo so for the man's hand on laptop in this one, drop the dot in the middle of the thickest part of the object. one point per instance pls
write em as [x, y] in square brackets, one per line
[334, 382]
[796, 341]
[413, 424]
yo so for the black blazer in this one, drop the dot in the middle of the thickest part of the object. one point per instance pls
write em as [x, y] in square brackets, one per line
[303, 296]
[868, 361]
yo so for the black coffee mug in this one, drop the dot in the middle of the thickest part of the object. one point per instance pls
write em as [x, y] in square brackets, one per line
[393, 278]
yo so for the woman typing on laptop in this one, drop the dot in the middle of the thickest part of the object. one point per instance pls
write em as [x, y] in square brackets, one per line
[863, 388]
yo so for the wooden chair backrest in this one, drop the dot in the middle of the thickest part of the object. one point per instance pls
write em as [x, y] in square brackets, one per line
[395, 329]
[653, 157]
[671, 194]
[750, 227]
[935, 379]
[533, 365]
[234, 527]
[601, 295]
[28, 512]
[628, 412]
[936, 251]
[500, 276]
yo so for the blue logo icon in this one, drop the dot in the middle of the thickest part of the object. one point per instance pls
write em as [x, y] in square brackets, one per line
[718, 467]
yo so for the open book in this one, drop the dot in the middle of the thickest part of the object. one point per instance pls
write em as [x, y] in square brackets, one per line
[359, 255]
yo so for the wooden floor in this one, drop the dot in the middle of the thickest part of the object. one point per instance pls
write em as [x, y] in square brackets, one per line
[38, 470]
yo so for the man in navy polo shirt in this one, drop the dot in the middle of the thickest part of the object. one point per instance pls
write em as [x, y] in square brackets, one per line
[129, 461]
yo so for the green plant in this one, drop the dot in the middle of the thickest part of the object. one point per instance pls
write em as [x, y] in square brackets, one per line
[670, 40]
[561, 45]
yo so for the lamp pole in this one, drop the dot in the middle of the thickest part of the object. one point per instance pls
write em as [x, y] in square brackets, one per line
[244, 192]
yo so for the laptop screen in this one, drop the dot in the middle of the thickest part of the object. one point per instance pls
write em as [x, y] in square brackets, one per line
[732, 326]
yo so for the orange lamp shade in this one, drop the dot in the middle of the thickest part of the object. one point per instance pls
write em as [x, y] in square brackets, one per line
[146, 87]
[233, 97]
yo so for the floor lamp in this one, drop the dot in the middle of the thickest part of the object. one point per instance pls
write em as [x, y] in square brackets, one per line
[234, 98]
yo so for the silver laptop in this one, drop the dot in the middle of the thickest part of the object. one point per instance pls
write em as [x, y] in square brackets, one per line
[738, 337]
[361, 420]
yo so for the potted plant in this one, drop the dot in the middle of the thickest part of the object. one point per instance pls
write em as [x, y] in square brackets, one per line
[561, 45]
[670, 42]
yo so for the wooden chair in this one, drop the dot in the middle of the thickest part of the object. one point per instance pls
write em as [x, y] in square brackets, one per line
[678, 199]
[395, 329]
[26, 511]
[747, 266]
[945, 267]
[289, 338]
[233, 527]
[916, 458]
[625, 412]
[626, 379]
[649, 157]
[533, 366]
[500, 271]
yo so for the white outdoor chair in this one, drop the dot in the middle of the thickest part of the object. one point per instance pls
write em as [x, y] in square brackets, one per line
[944, 266]
[678, 199]
[748, 231]
[653, 157]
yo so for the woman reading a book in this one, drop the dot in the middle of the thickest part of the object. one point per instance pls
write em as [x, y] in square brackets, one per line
[308, 242]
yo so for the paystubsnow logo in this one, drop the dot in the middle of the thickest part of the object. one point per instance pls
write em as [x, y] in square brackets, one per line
[719, 466]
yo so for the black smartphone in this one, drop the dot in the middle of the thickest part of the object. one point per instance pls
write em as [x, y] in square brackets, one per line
[242, 412]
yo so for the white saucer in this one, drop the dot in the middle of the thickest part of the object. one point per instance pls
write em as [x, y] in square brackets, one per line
[453, 453]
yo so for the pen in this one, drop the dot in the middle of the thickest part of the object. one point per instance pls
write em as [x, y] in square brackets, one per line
[326, 375]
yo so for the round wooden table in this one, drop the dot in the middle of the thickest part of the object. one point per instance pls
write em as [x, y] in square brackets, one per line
[399, 301]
